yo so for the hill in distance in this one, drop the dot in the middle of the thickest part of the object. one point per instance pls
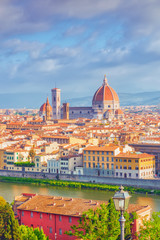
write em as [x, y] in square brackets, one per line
[35, 100]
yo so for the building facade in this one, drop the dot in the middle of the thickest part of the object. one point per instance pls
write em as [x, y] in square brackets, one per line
[150, 148]
[134, 165]
[99, 161]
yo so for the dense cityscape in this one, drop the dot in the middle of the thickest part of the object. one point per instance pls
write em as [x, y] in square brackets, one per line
[112, 146]
[79, 120]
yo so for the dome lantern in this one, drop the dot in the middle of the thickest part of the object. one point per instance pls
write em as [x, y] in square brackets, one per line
[105, 81]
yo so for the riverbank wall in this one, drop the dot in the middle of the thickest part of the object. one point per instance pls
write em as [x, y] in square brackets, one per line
[137, 183]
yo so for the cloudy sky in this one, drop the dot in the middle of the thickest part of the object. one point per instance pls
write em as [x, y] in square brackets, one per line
[71, 44]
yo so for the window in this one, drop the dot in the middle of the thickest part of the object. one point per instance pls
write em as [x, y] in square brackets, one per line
[103, 165]
[60, 218]
[107, 165]
[93, 158]
[93, 165]
[50, 229]
[103, 159]
[22, 213]
[102, 153]
[89, 164]
[116, 173]
[84, 152]
[129, 160]
[84, 157]
[31, 214]
[60, 231]
[125, 160]
[50, 217]
[130, 175]
[125, 167]
[112, 159]
[120, 166]
[85, 165]
[130, 168]
[107, 159]
[120, 160]
[116, 166]
[120, 174]
[41, 215]
[89, 158]
[98, 159]
[136, 174]
[136, 161]
[136, 168]
[112, 166]
[70, 219]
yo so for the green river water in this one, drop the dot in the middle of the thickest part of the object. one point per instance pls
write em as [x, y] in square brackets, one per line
[10, 190]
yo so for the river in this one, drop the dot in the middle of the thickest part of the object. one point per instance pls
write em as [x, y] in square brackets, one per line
[10, 190]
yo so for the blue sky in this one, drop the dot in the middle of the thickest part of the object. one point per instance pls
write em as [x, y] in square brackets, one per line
[72, 44]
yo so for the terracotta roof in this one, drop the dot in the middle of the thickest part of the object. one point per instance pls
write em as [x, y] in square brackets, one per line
[135, 155]
[105, 148]
[68, 206]
[59, 205]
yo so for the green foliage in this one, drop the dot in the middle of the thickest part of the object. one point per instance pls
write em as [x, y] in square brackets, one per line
[151, 228]
[83, 185]
[101, 224]
[24, 164]
[28, 233]
[9, 228]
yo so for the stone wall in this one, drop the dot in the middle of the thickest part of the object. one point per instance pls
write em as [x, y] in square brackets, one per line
[140, 183]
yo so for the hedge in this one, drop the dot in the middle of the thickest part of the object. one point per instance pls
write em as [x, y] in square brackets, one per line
[79, 185]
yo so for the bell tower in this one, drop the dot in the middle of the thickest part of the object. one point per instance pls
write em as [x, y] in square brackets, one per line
[56, 103]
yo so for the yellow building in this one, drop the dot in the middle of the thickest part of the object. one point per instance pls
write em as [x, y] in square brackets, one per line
[99, 161]
[134, 165]
[2, 163]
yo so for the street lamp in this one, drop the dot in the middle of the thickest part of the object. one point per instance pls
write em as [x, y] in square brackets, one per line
[121, 201]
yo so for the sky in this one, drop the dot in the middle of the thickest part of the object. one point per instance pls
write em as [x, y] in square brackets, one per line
[71, 44]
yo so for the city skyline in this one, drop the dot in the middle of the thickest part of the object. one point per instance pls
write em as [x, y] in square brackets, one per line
[72, 45]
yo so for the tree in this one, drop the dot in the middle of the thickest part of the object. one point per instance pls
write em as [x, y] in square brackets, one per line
[151, 228]
[28, 233]
[9, 228]
[101, 224]
[31, 154]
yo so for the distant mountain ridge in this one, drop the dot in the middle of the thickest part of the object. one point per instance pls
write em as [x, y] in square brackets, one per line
[35, 100]
[126, 99]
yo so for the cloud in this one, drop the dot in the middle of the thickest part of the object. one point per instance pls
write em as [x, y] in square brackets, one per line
[74, 43]
[15, 46]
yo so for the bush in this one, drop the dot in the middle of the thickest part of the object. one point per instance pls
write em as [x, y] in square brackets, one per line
[24, 164]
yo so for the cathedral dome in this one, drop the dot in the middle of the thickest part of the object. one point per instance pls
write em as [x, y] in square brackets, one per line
[105, 93]
[45, 107]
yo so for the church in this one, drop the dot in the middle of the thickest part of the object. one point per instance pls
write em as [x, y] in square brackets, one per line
[105, 105]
